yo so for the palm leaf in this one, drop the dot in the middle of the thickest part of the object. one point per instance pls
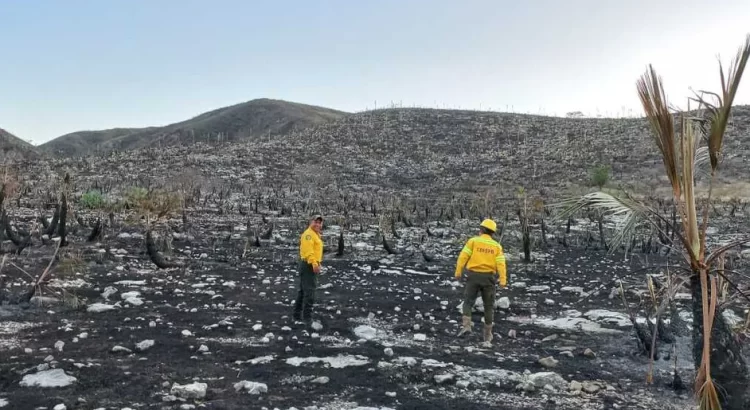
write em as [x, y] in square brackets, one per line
[701, 159]
[632, 212]
[719, 112]
[654, 100]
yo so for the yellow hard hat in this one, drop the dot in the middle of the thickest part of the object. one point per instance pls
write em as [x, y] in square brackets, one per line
[489, 224]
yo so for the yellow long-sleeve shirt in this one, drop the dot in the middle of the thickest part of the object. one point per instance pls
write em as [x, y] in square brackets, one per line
[484, 255]
[311, 247]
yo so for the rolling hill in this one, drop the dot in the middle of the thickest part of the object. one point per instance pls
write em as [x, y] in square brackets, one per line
[245, 121]
[14, 148]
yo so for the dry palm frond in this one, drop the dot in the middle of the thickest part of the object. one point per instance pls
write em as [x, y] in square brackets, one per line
[720, 111]
[701, 159]
[632, 212]
[654, 100]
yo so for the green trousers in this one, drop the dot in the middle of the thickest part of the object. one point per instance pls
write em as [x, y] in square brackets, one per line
[484, 284]
[308, 282]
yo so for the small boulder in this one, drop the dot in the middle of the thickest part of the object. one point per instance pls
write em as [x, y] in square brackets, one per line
[190, 391]
[548, 362]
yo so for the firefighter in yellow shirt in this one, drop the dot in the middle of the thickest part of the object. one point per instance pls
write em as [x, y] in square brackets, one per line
[484, 260]
[311, 256]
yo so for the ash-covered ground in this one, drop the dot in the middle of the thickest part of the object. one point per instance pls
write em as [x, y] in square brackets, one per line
[216, 332]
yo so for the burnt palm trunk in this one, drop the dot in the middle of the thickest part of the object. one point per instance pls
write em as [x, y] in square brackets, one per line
[62, 231]
[728, 367]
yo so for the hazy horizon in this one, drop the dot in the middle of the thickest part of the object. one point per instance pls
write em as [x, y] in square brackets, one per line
[83, 65]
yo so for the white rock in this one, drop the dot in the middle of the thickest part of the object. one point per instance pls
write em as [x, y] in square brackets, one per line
[60, 406]
[444, 378]
[251, 387]
[109, 291]
[503, 302]
[203, 348]
[144, 345]
[118, 349]
[99, 307]
[548, 362]
[48, 378]
[590, 387]
[548, 378]
[388, 351]
[421, 337]
[59, 345]
[365, 332]
[317, 326]
[321, 380]
[189, 391]
[186, 333]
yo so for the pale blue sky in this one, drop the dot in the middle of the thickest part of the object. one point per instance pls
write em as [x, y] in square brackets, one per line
[73, 65]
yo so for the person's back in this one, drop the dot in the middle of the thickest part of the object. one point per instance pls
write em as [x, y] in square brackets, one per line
[483, 257]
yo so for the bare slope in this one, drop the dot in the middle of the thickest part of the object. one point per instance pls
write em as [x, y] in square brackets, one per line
[243, 121]
[455, 151]
[12, 147]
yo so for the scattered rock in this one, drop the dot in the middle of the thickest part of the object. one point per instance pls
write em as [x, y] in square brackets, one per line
[444, 378]
[250, 387]
[99, 308]
[48, 378]
[503, 303]
[121, 349]
[591, 388]
[190, 391]
[548, 362]
[144, 345]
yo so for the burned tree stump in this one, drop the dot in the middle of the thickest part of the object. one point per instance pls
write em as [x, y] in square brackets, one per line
[52, 226]
[153, 253]
[21, 242]
[96, 232]
[388, 248]
[267, 234]
[62, 228]
[340, 251]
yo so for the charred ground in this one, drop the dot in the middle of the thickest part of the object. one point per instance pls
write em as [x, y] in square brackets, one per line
[418, 179]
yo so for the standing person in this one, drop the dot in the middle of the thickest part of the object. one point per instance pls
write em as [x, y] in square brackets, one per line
[484, 259]
[311, 256]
